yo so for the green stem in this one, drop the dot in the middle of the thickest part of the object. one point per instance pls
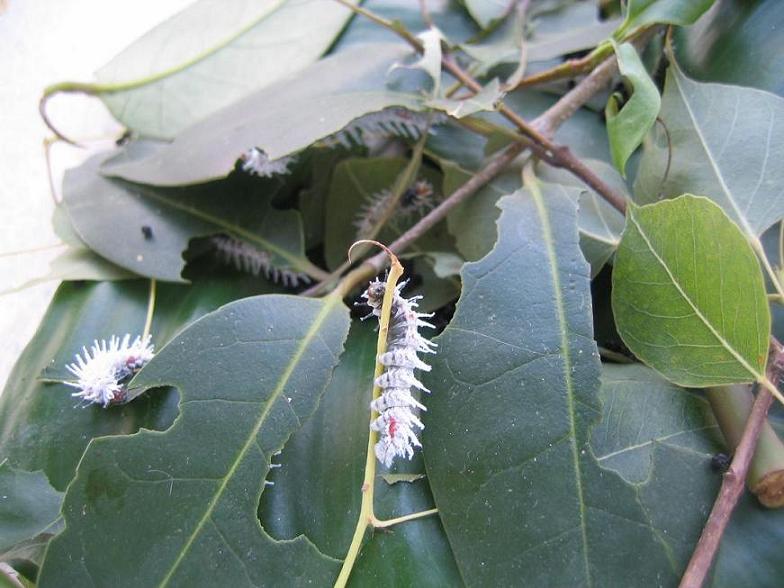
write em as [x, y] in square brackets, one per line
[732, 406]
[380, 524]
[150, 309]
[366, 515]
[756, 244]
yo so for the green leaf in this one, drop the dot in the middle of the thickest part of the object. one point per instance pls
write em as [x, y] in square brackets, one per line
[666, 435]
[29, 507]
[76, 263]
[640, 13]
[688, 295]
[725, 141]
[572, 28]
[322, 99]
[733, 43]
[514, 397]
[109, 215]
[317, 489]
[473, 223]
[484, 12]
[430, 62]
[584, 132]
[627, 128]
[660, 438]
[643, 412]
[600, 223]
[210, 55]
[486, 99]
[41, 428]
[354, 183]
[249, 374]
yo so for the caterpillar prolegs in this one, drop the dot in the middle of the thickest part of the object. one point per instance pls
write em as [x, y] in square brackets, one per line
[397, 422]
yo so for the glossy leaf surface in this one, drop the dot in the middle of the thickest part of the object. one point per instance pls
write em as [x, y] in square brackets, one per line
[249, 374]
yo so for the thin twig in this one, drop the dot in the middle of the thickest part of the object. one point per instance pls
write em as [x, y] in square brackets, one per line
[734, 481]
[548, 122]
[556, 155]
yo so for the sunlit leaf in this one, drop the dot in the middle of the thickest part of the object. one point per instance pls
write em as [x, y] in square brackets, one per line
[249, 374]
[688, 294]
[214, 53]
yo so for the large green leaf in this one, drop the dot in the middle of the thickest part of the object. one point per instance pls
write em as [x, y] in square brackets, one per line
[109, 215]
[599, 222]
[322, 99]
[725, 142]
[663, 438]
[733, 44]
[29, 506]
[212, 54]
[640, 13]
[474, 223]
[641, 413]
[514, 387]
[249, 374]
[688, 294]
[317, 490]
[40, 426]
[628, 126]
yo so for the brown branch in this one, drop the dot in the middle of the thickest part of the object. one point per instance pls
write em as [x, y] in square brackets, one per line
[553, 153]
[733, 484]
[549, 122]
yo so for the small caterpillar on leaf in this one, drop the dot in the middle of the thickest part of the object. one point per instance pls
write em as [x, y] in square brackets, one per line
[247, 258]
[417, 200]
[397, 422]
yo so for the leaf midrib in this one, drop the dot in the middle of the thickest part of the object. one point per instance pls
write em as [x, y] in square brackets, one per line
[722, 341]
[294, 260]
[567, 364]
[312, 332]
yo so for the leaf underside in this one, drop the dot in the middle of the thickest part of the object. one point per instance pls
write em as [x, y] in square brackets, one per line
[688, 294]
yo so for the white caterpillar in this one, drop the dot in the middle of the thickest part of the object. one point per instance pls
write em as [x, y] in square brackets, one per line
[103, 371]
[397, 422]
[249, 259]
[257, 163]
